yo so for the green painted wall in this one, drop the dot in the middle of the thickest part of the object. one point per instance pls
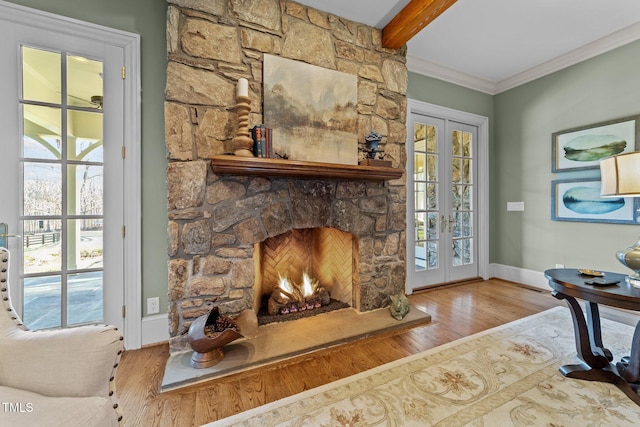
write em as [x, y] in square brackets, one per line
[521, 123]
[603, 88]
[148, 19]
[438, 92]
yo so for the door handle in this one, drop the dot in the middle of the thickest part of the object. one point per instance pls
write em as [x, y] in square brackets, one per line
[4, 228]
[3, 234]
[445, 223]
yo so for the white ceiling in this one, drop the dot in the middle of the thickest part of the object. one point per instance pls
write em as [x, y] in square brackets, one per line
[494, 45]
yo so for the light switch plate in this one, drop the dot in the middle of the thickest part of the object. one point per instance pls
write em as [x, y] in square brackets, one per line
[515, 206]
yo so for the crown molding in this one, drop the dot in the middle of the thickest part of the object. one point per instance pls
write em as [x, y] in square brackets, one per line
[440, 72]
[612, 41]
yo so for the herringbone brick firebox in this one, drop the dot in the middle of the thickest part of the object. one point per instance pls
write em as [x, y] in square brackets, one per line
[325, 253]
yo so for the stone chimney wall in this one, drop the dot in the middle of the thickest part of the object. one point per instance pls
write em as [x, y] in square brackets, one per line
[214, 221]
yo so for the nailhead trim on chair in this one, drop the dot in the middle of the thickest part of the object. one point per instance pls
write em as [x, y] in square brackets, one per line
[5, 297]
[4, 269]
[112, 382]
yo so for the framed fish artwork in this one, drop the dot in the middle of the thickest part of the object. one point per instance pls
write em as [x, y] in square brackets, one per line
[579, 200]
[582, 148]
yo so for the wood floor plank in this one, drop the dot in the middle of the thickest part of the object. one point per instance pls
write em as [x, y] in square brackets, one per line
[456, 311]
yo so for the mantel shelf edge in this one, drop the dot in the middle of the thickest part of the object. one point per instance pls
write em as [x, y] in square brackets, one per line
[236, 165]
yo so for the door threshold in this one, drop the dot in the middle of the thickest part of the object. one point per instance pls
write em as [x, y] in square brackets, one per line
[449, 284]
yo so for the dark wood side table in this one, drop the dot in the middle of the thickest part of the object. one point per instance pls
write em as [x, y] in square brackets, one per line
[596, 360]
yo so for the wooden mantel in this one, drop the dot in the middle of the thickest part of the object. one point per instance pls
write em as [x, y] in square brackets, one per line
[236, 165]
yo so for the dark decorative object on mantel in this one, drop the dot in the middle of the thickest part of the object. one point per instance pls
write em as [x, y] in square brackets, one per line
[372, 141]
[373, 156]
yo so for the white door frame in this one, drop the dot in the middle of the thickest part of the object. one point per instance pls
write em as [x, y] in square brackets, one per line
[130, 44]
[482, 159]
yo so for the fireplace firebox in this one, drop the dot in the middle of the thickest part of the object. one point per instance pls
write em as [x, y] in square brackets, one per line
[303, 270]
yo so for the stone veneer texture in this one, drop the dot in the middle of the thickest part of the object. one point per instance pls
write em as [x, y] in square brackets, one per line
[214, 221]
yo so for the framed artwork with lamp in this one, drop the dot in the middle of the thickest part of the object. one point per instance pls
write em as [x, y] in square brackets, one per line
[620, 177]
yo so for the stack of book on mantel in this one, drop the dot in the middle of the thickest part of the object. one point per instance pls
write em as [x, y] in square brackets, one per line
[261, 141]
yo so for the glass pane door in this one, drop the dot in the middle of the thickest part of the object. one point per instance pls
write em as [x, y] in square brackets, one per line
[426, 189]
[441, 217]
[428, 181]
[62, 194]
[463, 196]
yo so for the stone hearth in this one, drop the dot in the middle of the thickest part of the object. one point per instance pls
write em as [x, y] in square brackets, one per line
[277, 342]
[215, 220]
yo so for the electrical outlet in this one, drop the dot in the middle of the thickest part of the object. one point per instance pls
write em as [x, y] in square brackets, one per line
[153, 305]
[559, 265]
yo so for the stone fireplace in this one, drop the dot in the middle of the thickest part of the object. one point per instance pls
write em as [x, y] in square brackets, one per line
[219, 223]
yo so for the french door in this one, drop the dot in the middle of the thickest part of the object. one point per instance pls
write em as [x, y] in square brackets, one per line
[62, 169]
[442, 201]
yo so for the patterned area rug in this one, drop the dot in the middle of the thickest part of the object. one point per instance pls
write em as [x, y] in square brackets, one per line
[506, 376]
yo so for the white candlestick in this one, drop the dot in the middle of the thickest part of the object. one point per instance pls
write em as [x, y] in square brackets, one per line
[243, 87]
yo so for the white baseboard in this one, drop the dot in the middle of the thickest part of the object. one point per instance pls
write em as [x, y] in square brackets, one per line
[519, 275]
[155, 329]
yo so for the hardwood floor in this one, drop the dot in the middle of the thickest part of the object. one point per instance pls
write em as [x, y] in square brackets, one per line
[456, 311]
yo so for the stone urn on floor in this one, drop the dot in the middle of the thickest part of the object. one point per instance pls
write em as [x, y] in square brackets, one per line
[212, 331]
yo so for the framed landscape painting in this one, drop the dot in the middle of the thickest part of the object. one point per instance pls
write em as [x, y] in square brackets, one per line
[583, 148]
[312, 111]
[579, 200]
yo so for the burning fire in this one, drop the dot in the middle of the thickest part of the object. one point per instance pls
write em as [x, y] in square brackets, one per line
[285, 285]
[301, 292]
[290, 297]
[309, 286]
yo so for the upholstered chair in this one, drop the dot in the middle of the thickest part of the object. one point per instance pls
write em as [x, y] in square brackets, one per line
[56, 377]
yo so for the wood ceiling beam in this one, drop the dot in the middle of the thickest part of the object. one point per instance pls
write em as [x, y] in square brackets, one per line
[414, 17]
